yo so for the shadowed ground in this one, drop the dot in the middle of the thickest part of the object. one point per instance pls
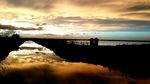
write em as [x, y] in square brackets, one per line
[63, 73]
[130, 59]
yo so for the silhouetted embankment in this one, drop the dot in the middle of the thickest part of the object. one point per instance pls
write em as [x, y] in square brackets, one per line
[131, 59]
[7, 44]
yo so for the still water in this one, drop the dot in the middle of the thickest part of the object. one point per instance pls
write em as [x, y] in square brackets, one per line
[111, 43]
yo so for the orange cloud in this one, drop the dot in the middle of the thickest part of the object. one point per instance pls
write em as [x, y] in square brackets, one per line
[100, 12]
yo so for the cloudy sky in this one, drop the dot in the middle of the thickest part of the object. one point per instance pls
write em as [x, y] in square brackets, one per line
[111, 17]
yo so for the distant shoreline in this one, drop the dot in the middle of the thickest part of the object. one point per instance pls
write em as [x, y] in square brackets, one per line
[85, 39]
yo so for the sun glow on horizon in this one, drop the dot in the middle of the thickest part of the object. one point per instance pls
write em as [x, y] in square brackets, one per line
[17, 24]
[46, 29]
[67, 17]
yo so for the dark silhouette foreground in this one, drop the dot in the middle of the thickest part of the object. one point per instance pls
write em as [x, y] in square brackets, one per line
[7, 44]
[130, 59]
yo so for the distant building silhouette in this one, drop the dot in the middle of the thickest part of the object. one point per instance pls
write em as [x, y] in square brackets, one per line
[91, 41]
[94, 42]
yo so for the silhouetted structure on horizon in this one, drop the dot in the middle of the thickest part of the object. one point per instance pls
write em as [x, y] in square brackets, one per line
[94, 42]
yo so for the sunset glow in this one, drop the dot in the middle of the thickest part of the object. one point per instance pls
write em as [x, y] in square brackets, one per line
[71, 16]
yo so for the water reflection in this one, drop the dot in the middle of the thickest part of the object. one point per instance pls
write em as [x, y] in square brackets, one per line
[36, 64]
[108, 43]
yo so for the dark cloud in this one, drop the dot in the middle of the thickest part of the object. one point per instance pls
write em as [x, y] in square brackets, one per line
[146, 15]
[67, 20]
[139, 7]
[104, 22]
[33, 3]
[9, 27]
[88, 2]
[17, 2]
[123, 22]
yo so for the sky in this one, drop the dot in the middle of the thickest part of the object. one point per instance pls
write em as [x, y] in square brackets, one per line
[99, 18]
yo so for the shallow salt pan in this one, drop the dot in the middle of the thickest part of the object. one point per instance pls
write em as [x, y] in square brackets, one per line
[34, 47]
[31, 44]
[30, 53]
